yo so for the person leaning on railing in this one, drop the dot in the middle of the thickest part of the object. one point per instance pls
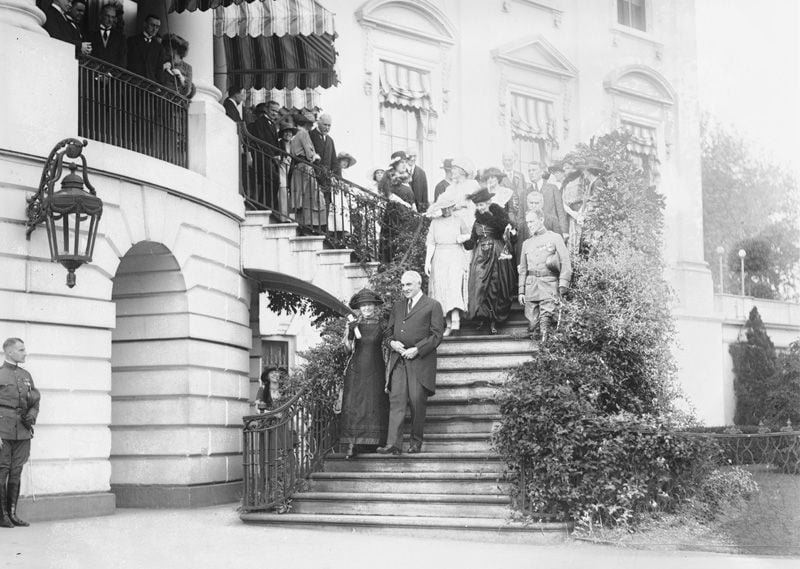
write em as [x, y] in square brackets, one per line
[307, 198]
[177, 74]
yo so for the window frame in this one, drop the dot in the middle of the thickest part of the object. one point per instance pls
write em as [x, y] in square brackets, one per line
[625, 9]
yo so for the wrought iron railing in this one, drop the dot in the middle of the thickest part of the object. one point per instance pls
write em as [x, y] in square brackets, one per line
[284, 446]
[323, 203]
[121, 108]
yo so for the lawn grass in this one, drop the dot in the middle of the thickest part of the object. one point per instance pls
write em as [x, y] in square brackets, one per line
[766, 524]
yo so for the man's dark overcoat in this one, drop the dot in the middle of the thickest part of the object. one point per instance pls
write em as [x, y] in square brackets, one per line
[146, 58]
[115, 51]
[422, 327]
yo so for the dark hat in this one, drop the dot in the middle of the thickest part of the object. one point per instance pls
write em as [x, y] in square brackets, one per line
[557, 166]
[301, 120]
[595, 166]
[447, 163]
[493, 172]
[482, 195]
[401, 154]
[365, 296]
[268, 370]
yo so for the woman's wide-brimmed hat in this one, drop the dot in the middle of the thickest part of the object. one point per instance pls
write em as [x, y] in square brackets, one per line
[493, 172]
[465, 165]
[345, 156]
[443, 203]
[482, 195]
[557, 166]
[595, 166]
[365, 296]
[269, 370]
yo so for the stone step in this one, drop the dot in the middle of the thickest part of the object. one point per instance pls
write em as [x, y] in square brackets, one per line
[483, 345]
[460, 407]
[338, 257]
[422, 462]
[492, 530]
[454, 424]
[472, 377]
[392, 504]
[458, 393]
[449, 440]
[481, 361]
[409, 482]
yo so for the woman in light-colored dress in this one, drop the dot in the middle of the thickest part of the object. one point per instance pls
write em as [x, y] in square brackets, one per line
[307, 198]
[460, 190]
[447, 263]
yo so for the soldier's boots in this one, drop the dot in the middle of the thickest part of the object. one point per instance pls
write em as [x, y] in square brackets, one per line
[13, 498]
[5, 520]
[546, 326]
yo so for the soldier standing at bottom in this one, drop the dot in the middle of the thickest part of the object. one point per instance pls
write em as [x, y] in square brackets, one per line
[19, 407]
[544, 275]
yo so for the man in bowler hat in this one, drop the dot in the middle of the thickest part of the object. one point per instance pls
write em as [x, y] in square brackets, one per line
[415, 329]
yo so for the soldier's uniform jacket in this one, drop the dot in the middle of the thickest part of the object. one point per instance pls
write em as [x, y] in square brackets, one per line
[19, 401]
[536, 281]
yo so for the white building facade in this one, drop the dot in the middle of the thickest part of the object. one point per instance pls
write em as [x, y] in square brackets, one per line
[148, 364]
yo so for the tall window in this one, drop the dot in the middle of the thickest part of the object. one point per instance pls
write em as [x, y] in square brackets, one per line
[532, 129]
[643, 148]
[632, 13]
[407, 116]
[401, 129]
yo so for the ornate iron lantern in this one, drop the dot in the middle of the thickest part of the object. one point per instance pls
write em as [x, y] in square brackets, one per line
[71, 214]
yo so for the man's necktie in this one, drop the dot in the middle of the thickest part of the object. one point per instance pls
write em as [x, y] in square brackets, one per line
[105, 35]
[408, 306]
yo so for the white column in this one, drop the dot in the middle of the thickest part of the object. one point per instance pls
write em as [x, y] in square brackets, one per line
[198, 29]
[42, 106]
[22, 14]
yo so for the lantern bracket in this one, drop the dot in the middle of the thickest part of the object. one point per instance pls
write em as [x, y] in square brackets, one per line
[51, 174]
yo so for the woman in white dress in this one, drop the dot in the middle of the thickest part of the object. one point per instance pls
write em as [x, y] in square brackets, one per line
[447, 263]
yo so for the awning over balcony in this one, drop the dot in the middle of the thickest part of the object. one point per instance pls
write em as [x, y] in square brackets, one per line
[277, 44]
[194, 5]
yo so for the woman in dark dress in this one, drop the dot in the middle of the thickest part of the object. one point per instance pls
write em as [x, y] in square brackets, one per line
[365, 406]
[398, 214]
[493, 273]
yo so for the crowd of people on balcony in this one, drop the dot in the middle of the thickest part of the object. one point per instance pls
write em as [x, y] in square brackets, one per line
[161, 59]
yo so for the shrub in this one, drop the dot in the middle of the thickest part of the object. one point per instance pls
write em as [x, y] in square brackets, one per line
[753, 364]
[782, 399]
[722, 488]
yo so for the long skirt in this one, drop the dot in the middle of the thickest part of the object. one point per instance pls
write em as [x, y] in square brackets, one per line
[307, 197]
[449, 276]
[365, 406]
[492, 282]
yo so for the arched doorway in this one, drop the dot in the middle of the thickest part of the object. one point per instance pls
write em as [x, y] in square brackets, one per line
[148, 376]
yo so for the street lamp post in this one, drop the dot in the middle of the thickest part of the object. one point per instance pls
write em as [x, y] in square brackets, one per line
[720, 253]
[742, 255]
[70, 215]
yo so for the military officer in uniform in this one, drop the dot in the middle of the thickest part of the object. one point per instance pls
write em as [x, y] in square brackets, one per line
[544, 275]
[19, 407]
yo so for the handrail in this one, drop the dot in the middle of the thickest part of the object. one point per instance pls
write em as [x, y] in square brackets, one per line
[127, 110]
[283, 446]
[322, 202]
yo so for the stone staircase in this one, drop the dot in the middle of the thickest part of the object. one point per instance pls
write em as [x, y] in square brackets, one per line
[279, 249]
[455, 487]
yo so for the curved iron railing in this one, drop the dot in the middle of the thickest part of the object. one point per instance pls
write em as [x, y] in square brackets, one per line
[323, 203]
[122, 108]
[285, 445]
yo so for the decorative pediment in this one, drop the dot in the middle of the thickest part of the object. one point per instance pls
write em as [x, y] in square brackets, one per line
[536, 54]
[418, 19]
[641, 82]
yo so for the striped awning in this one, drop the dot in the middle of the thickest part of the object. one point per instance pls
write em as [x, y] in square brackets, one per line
[276, 44]
[291, 99]
[532, 118]
[643, 139]
[404, 86]
[194, 5]
[274, 18]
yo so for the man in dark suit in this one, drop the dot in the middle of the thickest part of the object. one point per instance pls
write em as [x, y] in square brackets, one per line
[555, 218]
[265, 166]
[233, 103]
[59, 26]
[145, 53]
[108, 42]
[447, 166]
[326, 148]
[419, 181]
[415, 329]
